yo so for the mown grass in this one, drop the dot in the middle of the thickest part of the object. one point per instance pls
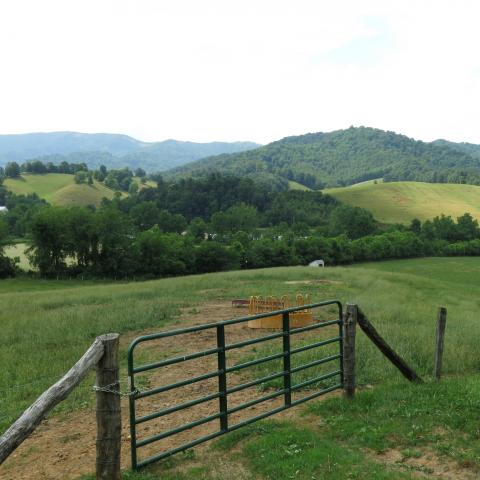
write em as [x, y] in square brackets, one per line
[298, 186]
[47, 325]
[400, 202]
[81, 195]
[59, 189]
[43, 185]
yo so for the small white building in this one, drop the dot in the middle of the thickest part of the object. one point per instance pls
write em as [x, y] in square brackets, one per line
[3, 209]
[317, 263]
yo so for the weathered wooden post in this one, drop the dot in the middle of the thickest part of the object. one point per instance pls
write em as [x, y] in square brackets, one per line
[349, 333]
[440, 340]
[109, 418]
[371, 332]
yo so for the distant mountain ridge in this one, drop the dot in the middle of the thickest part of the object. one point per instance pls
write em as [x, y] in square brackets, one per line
[346, 157]
[112, 150]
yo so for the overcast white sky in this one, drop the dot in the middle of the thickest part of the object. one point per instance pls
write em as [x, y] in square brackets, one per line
[258, 70]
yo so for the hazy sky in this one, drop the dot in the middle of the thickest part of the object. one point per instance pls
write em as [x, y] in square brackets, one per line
[229, 70]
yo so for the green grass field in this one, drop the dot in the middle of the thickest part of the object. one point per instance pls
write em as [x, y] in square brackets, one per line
[59, 189]
[147, 184]
[400, 202]
[298, 186]
[47, 325]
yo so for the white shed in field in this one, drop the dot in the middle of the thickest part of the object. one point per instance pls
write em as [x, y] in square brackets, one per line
[3, 209]
[317, 263]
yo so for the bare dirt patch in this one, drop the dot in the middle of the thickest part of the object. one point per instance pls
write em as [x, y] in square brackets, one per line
[424, 464]
[63, 446]
[317, 281]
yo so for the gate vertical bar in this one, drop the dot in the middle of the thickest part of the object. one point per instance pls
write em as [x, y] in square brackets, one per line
[131, 407]
[222, 378]
[287, 378]
[340, 334]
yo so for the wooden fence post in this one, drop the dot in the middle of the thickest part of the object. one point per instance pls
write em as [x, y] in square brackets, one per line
[109, 418]
[349, 332]
[440, 340]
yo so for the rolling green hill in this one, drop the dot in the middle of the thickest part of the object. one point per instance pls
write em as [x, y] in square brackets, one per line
[400, 202]
[59, 189]
[345, 157]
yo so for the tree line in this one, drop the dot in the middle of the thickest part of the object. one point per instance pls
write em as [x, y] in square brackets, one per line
[106, 243]
[213, 224]
[190, 226]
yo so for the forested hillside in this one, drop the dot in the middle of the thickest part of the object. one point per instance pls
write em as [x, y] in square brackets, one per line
[464, 147]
[111, 150]
[345, 157]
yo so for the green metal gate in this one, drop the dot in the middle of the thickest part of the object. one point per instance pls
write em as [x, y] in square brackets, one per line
[221, 350]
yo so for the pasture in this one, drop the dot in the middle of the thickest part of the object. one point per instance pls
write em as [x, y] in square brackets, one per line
[400, 202]
[59, 189]
[292, 185]
[47, 325]
[17, 250]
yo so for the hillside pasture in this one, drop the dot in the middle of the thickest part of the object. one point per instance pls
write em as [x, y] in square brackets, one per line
[298, 186]
[400, 202]
[59, 189]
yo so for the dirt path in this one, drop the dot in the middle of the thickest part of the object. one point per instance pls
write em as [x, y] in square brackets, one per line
[63, 447]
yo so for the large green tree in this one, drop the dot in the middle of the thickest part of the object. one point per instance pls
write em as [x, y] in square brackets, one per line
[12, 170]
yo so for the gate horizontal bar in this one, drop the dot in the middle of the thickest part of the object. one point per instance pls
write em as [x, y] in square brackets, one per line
[207, 376]
[205, 438]
[257, 361]
[317, 394]
[258, 417]
[181, 448]
[313, 326]
[170, 386]
[171, 361]
[315, 363]
[176, 408]
[315, 345]
[256, 401]
[213, 396]
[173, 431]
[314, 380]
[252, 341]
[197, 328]
[257, 381]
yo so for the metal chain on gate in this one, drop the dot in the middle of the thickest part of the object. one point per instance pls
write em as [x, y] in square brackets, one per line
[110, 389]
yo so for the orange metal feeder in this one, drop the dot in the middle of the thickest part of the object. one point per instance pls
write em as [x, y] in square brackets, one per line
[258, 305]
